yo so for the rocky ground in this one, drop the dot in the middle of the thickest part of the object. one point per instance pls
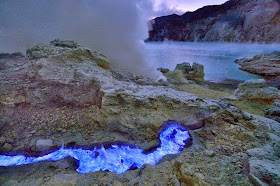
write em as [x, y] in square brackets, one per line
[63, 93]
[267, 65]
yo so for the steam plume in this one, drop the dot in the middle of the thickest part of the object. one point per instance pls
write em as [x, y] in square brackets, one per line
[116, 28]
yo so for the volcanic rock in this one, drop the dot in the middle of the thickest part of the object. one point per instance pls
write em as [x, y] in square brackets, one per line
[263, 163]
[63, 90]
[257, 90]
[184, 72]
[101, 60]
[273, 112]
[197, 72]
[194, 72]
[64, 43]
[2, 140]
[252, 84]
[51, 75]
[233, 21]
[267, 65]
[13, 55]
[7, 147]
[185, 68]
[71, 100]
[62, 164]
[44, 144]
[163, 70]
[246, 136]
[176, 77]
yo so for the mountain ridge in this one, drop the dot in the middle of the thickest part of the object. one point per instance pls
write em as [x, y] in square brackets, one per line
[233, 21]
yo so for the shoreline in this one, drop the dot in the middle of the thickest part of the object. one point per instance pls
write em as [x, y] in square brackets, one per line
[231, 84]
[225, 42]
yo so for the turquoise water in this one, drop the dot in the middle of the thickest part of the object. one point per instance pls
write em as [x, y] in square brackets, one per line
[217, 58]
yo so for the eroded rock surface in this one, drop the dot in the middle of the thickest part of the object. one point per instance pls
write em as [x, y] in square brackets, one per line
[273, 112]
[267, 65]
[13, 55]
[233, 21]
[257, 90]
[183, 73]
[65, 97]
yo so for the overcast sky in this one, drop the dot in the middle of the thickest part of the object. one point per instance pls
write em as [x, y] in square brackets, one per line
[166, 7]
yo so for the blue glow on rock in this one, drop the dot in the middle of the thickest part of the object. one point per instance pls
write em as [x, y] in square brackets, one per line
[117, 158]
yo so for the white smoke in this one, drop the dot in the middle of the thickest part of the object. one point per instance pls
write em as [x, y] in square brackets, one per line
[116, 28]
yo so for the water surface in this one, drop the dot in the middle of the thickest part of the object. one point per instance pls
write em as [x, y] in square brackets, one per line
[217, 58]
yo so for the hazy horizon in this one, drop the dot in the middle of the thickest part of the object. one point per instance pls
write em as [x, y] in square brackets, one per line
[166, 7]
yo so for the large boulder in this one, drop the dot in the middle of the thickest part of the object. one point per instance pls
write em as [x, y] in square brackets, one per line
[194, 72]
[176, 77]
[252, 84]
[44, 144]
[273, 112]
[60, 51]
[184, 67]
[264, 164]
[58, 73]
[7, 147]
[197, 72]
[257, 90]
[184, 72]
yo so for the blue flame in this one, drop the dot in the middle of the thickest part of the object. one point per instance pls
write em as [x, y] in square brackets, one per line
[117, 158]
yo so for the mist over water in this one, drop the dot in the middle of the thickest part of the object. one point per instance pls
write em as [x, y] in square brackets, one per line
[116, 28]
[218, 58]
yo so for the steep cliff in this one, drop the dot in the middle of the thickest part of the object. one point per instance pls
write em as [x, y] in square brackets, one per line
[233, 21]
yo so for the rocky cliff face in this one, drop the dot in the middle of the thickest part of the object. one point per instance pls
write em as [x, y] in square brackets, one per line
[62, 93]
[234, 21]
